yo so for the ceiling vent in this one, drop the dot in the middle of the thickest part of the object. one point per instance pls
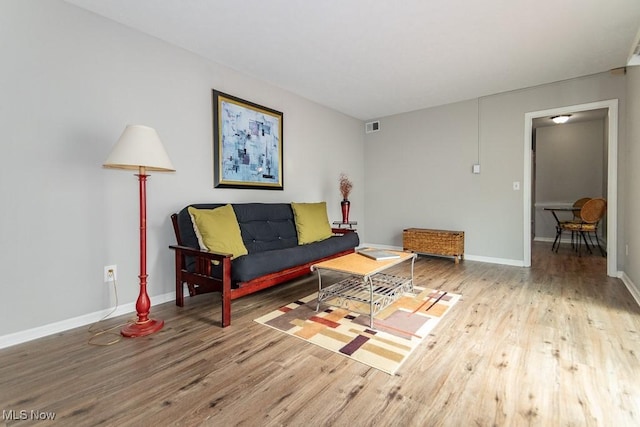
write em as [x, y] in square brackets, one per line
[372, 127]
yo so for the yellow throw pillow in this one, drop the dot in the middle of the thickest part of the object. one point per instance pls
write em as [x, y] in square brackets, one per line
[312, 222]
[219, 230]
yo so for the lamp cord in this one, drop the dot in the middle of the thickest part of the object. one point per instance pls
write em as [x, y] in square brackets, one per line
[108, 331]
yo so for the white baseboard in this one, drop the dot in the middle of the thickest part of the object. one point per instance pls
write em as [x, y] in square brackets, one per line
[492, 260]
[76, 322]
[566, 240]
[489, 260]
[544, 239]
[635, 291]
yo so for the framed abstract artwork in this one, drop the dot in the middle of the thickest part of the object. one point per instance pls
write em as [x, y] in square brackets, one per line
[247, 144]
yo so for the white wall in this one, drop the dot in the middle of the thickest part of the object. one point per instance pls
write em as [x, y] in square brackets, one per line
[569, 166]
[427, 157]
[71, 81]
[418, 173]
[632, 182]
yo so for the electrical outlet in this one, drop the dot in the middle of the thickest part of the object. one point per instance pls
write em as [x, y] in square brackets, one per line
[110, 273]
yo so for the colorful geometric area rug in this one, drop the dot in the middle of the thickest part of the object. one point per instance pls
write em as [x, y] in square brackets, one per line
[398, 329]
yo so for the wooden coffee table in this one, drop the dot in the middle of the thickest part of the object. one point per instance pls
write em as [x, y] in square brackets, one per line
[366, 282]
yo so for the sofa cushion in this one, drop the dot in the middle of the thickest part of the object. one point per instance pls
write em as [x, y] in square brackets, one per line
[219, 230]
[266, 226]
[312, 222]
[185, 224]
[260, 263]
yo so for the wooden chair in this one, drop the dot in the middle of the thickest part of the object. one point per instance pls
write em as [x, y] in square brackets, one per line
[590, 215]
[578, 204]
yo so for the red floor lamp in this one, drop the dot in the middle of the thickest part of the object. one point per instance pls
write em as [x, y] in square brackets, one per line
[139, 148]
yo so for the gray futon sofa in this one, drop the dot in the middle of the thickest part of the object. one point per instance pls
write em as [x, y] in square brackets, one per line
[274, 256]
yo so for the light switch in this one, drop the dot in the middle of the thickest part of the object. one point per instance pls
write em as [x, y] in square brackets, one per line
[476, 168]
[516, 185]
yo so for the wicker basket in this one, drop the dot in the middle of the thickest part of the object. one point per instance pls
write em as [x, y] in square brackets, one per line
[436, 242]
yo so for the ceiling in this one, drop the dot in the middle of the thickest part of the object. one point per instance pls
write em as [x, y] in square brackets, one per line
[374, 58]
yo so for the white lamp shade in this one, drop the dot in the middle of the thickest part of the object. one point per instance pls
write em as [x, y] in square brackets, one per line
[139, 146]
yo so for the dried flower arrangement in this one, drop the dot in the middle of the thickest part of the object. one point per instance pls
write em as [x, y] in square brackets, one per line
[345, 186]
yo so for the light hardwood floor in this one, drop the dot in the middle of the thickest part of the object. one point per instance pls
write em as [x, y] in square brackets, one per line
[552, 345]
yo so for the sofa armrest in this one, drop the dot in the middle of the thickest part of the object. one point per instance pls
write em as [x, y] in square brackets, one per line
[203, 259]
[202, 276]
[199, 253]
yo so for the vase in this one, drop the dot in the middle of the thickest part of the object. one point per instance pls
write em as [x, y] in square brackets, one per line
[345, 204]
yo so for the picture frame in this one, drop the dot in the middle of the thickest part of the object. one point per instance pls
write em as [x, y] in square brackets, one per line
[247, 144]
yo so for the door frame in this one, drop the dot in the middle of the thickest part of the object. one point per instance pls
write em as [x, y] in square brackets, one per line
[612, 172]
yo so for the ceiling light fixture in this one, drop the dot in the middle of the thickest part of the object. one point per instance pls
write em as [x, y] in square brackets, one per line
[561, 119]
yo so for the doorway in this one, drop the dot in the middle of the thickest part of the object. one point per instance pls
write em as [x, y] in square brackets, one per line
[612, 175]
